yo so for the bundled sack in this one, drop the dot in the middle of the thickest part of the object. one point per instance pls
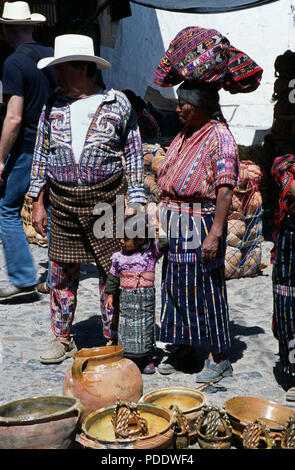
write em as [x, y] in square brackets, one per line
[236, 230]
[250, 171]
[30, 232]
[245, 224]
[157, 160]
[251, 265]
[153, 155]
[233, 259]
[247, 199]
[243, 262]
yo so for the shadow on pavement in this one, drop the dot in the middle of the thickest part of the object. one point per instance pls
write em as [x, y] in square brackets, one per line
[89, 333]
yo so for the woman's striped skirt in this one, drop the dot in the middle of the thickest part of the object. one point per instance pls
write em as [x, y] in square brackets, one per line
[194, 299]
[284, 295]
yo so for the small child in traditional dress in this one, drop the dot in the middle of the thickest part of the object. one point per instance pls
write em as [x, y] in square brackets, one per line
[132, 274]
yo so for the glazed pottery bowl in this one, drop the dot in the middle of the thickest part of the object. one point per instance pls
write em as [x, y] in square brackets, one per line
[98, 433]
[245, 410]
[49, 422]
[188, 400]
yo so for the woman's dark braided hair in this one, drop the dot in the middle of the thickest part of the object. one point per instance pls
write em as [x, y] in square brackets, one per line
[202, 95]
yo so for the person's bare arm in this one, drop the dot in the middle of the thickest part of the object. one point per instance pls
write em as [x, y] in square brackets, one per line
[11, 128]
[211, 243]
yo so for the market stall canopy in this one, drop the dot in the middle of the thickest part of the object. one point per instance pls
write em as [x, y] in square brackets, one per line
[202, 6]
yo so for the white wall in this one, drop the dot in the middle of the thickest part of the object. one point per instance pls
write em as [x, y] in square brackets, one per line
[263, 33]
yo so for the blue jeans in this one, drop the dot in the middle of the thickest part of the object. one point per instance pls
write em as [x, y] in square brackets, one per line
[19, 261]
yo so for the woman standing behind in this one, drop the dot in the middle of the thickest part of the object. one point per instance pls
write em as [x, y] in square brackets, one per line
[283, 172]
[200, 169]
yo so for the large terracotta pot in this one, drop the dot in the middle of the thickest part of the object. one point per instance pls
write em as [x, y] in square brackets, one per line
[99, 376]
[49, 422]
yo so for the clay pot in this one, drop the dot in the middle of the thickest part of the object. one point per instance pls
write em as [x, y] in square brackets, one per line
[190, 401]
[49, 422]
[245, 410]
[99, 376]
[97, 426]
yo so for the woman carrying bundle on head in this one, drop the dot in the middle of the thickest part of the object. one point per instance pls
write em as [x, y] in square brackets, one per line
[197, 177]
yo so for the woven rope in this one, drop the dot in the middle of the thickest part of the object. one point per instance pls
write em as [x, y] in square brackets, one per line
[125, 416]
[288, 435]
[254, 434]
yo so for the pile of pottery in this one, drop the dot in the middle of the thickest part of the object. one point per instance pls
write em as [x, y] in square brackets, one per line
[162, 419]
[261, 424]
[103, 404]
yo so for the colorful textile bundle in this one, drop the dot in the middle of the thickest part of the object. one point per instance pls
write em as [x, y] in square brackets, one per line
[207, 56]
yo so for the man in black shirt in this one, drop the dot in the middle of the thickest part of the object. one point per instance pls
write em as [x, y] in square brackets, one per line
[25, 89]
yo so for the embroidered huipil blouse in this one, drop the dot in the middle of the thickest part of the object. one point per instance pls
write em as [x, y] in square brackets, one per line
[113, 137]
[207, 160]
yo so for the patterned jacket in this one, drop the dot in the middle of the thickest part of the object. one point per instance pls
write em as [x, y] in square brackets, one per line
[209, 159]
[112, 142]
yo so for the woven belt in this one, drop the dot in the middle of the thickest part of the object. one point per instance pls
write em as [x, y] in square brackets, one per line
[130, 280]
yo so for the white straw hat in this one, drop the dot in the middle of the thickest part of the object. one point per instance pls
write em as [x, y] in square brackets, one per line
[69, 47]
[19, 13]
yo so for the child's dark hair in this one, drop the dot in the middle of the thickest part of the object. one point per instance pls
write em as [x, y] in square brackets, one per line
[136, 226]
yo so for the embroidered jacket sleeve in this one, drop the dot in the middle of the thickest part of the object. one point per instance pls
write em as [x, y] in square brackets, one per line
[134, 162]
[40, 158]
[224, 158]
[114, 138]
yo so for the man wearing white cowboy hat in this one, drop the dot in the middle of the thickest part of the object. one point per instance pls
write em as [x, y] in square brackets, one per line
[84, 142]
[25, 90]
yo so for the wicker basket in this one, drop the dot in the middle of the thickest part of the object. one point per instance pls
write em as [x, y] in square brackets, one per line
[30, 232]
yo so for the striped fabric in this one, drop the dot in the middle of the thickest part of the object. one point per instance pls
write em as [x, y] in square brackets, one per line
[283, 172]
[194, 299]
[113, 136]
[207, 56]
[284, 294]
[286, 291]
[208, 159]
[137, 320]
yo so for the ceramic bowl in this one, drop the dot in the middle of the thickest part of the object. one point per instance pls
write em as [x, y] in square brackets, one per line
[48, 422]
